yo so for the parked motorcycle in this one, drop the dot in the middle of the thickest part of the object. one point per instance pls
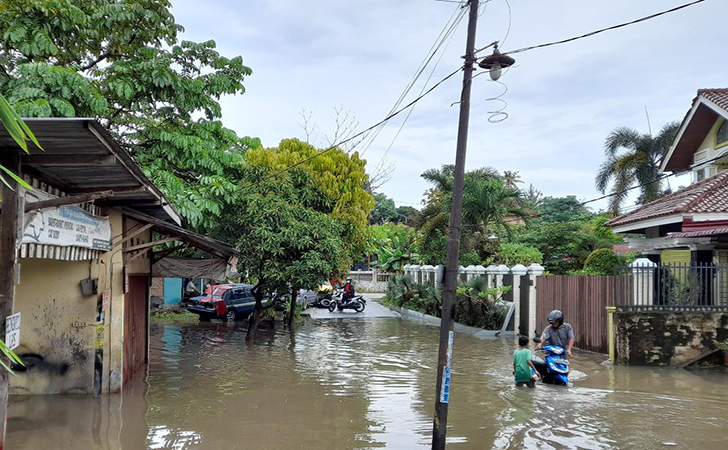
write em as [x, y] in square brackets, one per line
[553, 367]
[357, 303]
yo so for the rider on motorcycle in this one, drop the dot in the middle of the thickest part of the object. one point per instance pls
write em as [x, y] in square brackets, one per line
[348, 291]
[558, 332]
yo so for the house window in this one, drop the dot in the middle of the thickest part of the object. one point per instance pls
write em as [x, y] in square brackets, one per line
[722, 133]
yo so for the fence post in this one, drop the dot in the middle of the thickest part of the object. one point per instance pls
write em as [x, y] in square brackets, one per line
[427, 274]
[500, 271]
[462, 274]
[406, 269]
[479, 271]
[610, 331]
[534, 271]
[439, 274]
[643, 274]
[518, 271]
[469, 272]
[491, 271]
[414, 273]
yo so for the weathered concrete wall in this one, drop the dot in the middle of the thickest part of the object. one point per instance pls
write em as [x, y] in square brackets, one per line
[58, 328]
[667, 338]
[157, 289]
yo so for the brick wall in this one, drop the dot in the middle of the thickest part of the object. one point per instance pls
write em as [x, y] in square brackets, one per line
[157, 289]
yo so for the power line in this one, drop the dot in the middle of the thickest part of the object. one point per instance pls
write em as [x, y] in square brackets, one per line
[451, 33]
[338, 144]
[614, 27]
[455, 18]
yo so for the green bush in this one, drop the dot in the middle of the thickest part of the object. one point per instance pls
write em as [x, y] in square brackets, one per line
[469, 259]
[602, 261]
[476, 304]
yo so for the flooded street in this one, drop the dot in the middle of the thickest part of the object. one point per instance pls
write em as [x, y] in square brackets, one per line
[365, 384]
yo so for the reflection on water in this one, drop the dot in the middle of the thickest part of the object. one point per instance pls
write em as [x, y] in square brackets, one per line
[364, 384]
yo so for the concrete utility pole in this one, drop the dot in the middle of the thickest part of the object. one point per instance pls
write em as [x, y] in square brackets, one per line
[8, 243]
[452, 261]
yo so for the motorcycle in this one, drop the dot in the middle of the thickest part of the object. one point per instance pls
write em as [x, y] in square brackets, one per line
[357, 303]
[553, 367]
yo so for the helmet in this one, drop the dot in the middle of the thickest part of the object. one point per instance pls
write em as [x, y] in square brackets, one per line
[556, 316]
[348, 280]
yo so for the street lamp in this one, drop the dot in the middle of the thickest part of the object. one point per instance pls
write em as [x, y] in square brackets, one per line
[496, 62]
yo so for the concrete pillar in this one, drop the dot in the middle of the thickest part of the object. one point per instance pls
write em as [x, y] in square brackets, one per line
[439, 275]
[479, 271]
[406, 269]
[415, 272]
[643, 281]
[534, 271]
[461, 274]
[428, 274]
[500, 271]
[469, 272]
[490, 272]
[518, 271]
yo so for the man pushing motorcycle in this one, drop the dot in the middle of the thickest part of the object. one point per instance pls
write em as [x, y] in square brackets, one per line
[558, 332]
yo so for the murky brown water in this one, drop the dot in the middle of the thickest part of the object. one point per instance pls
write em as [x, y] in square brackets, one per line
[364, 384]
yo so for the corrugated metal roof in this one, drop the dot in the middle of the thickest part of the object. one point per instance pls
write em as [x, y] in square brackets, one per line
[707, 196]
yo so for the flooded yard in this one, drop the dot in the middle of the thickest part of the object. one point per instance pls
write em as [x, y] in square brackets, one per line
[366, 384]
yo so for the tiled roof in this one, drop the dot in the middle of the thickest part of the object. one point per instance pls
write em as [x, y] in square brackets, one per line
[707, 196]
[717, 96]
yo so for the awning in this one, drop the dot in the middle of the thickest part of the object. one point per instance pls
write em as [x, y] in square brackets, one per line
[208, 244]
[80, 156]
[699, 233]
[214, 268]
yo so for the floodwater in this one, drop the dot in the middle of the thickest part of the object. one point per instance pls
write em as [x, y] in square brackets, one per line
[369, 384]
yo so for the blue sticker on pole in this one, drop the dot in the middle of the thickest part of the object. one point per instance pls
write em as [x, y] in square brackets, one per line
[445, 392]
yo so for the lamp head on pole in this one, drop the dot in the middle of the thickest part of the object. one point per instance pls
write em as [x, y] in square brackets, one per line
[496, 62]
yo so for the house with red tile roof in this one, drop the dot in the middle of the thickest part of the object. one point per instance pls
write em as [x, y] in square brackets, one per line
[693, 220]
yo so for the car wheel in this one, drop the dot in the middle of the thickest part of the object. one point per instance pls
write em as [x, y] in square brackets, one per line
[230, 316]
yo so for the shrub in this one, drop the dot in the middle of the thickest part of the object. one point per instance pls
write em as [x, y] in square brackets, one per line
[602, 261]
[469, 259]
[512, 254]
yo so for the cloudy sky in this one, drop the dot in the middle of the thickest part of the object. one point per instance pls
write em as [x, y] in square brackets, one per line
[319, 55]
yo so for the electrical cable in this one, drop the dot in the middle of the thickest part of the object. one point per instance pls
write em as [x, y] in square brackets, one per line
[432, 72]
[614, 27]
[349, 139]
[455, 18]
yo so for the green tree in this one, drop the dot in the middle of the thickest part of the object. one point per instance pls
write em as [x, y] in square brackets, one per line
[511, 254]
[393, 245]
[122, 62]
[19, 131]
[340, 176]
[490, 206]
[384, 210]
[602, 261]
[638, 165]
[562, 209]
[286, 235]
[407, 215]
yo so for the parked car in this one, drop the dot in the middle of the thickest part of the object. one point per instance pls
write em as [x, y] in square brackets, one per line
[227, 302]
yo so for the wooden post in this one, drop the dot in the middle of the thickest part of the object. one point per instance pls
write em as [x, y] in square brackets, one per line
[8, 241]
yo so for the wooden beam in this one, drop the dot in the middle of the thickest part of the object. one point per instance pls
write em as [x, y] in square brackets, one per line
[9, 221]
[151, 244]
[132, 235]
[70, 160]
[158, 256]
[129, 257]
[72, 200]
[118, 190]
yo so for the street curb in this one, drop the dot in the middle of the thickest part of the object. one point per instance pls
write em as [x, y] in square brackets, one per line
[435, 321]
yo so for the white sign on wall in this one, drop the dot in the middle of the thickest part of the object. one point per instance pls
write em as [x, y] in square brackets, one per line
[12, 331]
[65, 226]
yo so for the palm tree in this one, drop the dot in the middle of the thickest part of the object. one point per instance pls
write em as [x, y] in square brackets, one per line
[489, 205]
[639, 165]
[511, 179]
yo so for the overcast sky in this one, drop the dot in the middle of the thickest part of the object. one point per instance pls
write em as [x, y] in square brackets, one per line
[562, 101]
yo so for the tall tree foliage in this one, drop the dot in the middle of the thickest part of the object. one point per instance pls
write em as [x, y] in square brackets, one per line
[285, 233]
[639, 165]
[340, 176]
[122, 62]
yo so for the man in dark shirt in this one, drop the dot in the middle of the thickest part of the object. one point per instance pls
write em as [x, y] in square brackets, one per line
[558, 332]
